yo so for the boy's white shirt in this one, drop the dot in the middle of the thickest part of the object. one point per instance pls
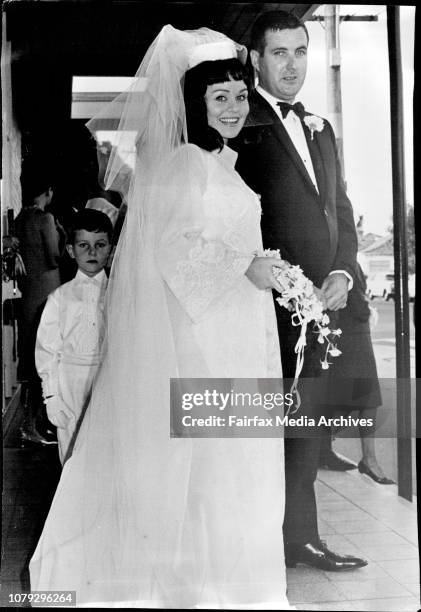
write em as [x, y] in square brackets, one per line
[71, 328]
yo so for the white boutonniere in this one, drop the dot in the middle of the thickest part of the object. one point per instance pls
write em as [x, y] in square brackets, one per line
[314, 124]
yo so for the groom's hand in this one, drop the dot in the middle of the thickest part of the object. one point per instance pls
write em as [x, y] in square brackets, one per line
[335, 290]
[260, 272]
[319, 293]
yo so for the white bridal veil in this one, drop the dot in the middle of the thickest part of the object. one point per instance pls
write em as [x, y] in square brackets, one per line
[133, 385]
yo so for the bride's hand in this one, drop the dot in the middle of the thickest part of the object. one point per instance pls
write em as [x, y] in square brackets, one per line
[260, 272]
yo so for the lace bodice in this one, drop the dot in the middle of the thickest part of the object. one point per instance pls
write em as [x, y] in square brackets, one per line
[205, 249]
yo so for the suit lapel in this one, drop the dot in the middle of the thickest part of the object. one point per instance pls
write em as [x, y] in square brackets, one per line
[262, 113]
[317, 157]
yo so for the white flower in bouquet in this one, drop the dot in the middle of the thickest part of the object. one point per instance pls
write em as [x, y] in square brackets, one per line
[299, 297]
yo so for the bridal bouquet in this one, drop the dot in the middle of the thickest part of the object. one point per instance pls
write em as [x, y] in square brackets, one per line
[299, 297]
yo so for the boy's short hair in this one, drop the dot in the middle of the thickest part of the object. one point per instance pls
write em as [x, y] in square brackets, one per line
[90, 220]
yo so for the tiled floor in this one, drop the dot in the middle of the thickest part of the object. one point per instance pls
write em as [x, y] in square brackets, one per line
[30, 477]
[356, 516]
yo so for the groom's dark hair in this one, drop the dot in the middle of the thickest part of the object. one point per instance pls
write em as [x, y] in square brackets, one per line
[272, 21]
[196, 81]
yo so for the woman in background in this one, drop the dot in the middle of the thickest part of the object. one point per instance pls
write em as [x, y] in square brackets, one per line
[40, 243]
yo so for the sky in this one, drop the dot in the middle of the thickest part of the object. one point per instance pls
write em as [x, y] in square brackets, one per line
[365, 106]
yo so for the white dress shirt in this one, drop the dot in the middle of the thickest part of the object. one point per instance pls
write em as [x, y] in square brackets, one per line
[295, 131]
[71, 328]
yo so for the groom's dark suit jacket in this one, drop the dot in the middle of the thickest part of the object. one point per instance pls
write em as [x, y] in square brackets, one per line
[314, 230]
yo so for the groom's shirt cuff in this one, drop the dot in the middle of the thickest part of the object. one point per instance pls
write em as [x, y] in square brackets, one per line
[349, 277]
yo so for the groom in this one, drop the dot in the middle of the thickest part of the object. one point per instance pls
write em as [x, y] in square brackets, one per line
[289, 157]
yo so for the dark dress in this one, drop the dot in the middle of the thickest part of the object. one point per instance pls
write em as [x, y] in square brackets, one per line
[39, 248]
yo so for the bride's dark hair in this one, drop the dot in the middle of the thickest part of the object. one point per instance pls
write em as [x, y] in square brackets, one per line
[196, 81]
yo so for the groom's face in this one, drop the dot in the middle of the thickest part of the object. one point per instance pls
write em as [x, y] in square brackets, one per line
[282, 66]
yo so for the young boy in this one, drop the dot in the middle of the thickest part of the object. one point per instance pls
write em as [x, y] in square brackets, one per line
[70, 333]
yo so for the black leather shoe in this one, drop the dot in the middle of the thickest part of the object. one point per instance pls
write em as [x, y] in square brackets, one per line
[319, 556]
[333, 461]
[33, 436]
[364, 469]
[48, 435]
[359, 562]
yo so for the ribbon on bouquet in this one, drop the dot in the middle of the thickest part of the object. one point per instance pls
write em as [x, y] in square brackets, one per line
[297, 319]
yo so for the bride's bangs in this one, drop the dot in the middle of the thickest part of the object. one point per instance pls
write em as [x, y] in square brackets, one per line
[221, 71]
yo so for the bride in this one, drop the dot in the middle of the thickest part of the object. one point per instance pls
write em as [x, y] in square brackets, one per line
[140, 519]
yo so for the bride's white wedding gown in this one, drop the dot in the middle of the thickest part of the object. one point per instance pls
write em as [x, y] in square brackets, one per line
[143, 520]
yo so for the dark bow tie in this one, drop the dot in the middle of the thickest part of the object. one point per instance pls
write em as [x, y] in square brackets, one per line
[297, 108]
